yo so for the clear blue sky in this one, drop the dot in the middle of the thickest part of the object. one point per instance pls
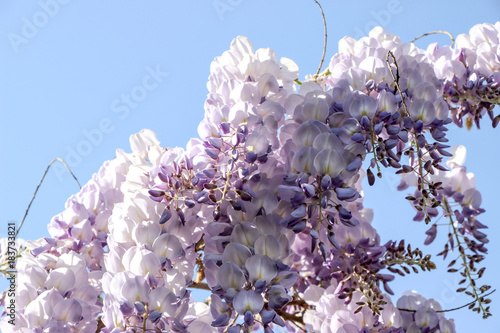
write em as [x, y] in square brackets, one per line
[67, 78]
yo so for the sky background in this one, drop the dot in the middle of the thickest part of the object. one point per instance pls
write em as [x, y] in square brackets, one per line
[65, 78]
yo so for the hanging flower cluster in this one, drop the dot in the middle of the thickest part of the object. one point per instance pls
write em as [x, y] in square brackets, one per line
[470, 72]
[265, 209]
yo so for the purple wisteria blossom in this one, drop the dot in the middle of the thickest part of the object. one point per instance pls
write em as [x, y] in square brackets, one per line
[265, 209]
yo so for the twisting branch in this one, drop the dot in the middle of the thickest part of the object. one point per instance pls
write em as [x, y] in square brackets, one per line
[398, 88]
[396, 78]
[436, 32]
[324, 46]
[40, 183]
[452, 309]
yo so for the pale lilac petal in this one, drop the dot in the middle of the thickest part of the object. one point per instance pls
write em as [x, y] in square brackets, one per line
[244, 233]
[230, 276]
[248, 300]
[268, 245]
[363, 105]
[329, 162]
[68, 310]
[163, 300]
[261, 267]
[168, 246]
[236, 253]
[135, 290]
[303, 160]
[63, 279]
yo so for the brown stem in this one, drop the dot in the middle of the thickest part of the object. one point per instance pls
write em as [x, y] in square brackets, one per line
[299, 302]
[200, 275]
[38, 186]
[324, 45]
[231, 323]
[396, 82]
[200, 285]
[200, 246]
[100, 325]
[290, 317]
[436, 32]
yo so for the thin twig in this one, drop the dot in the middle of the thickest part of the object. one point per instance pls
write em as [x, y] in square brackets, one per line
[396, 78]
[453, 309]
[324, 46]
[38, 186]
[436, 32]
[398, 88]
[231, 323]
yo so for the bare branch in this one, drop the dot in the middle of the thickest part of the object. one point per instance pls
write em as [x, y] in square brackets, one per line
[396, 77]
[38, 186]
[324, 46]
[436, 32]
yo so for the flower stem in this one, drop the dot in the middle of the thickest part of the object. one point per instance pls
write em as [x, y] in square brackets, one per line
[464, 259]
